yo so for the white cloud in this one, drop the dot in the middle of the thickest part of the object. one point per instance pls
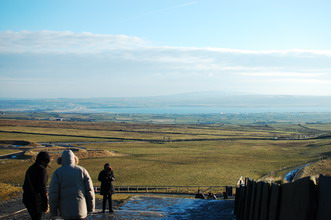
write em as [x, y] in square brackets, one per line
[64, 42]
[118, 64]
[283, 74]
[298, 52]
[86, 42]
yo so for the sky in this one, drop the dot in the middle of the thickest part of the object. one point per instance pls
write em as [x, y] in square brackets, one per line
[129, 48]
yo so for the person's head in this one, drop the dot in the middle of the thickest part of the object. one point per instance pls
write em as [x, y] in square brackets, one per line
[68, 158]
[43, 158]
[107, 167]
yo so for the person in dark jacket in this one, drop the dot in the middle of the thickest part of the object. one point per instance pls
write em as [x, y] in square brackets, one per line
[106, 177]
[34, 187]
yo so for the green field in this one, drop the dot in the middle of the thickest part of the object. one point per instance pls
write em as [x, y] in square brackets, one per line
[184, 155]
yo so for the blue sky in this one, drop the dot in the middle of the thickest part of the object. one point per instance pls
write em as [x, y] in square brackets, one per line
[80, 48]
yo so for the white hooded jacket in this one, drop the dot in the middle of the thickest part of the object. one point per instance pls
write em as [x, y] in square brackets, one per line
[71, 193]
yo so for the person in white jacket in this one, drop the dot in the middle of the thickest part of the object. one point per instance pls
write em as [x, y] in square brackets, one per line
[71, 192]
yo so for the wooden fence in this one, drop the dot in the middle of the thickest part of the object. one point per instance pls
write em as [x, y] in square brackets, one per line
[173, 189]
[304, 199]
[220, 190]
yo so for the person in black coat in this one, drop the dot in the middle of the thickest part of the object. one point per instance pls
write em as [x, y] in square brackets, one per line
[34, 187]
[106, 177]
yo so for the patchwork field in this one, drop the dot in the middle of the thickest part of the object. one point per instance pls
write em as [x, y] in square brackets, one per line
[163, 154]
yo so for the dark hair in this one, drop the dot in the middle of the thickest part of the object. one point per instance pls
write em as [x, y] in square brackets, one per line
[106, 165]
[43, 156]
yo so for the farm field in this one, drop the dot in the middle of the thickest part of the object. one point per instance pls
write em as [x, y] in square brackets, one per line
[5, 151]
[172, 154]
[181, 119]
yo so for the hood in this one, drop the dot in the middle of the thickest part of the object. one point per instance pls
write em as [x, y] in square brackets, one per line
[68, 158]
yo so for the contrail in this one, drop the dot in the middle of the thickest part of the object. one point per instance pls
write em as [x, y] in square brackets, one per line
[159, 10]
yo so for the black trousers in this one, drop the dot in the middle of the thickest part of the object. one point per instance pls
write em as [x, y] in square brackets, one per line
[108, 197]
[35, 214]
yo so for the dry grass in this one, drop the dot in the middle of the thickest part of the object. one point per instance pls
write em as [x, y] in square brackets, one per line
[7, 151]
[315, 169]
[8, 191]
[56, 152]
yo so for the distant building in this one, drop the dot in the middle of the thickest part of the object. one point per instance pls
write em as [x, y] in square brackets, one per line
[59, 119]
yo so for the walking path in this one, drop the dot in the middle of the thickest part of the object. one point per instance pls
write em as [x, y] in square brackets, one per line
[146, 208]
[143, 207]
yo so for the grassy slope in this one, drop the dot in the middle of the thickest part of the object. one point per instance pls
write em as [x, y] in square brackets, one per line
[177, 163]
[320, 167]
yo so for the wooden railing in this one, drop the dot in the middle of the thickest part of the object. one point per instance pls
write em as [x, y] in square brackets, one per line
[190, 190]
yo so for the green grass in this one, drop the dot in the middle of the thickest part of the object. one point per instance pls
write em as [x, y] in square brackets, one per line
[154, 133]
[45, 138]
[231, 118]
[187, 163]
[142, 133]
[176, 163]
[322, 127]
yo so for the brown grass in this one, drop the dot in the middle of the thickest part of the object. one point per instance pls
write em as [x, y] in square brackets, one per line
[56, 152]
[315, 169]
[8, 191]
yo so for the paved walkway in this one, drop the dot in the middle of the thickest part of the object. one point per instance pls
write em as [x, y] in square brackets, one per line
[142, 207]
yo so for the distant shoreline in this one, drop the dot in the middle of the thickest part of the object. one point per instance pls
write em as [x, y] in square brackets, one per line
[208, 110]
[176, 110]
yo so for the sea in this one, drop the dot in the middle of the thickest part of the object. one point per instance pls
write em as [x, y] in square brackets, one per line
[210, 110]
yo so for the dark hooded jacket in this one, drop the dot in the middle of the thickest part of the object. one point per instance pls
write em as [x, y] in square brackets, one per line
[35, 183]
[106, 179]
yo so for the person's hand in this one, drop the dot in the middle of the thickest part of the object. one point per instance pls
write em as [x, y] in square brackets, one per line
[45, 209]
